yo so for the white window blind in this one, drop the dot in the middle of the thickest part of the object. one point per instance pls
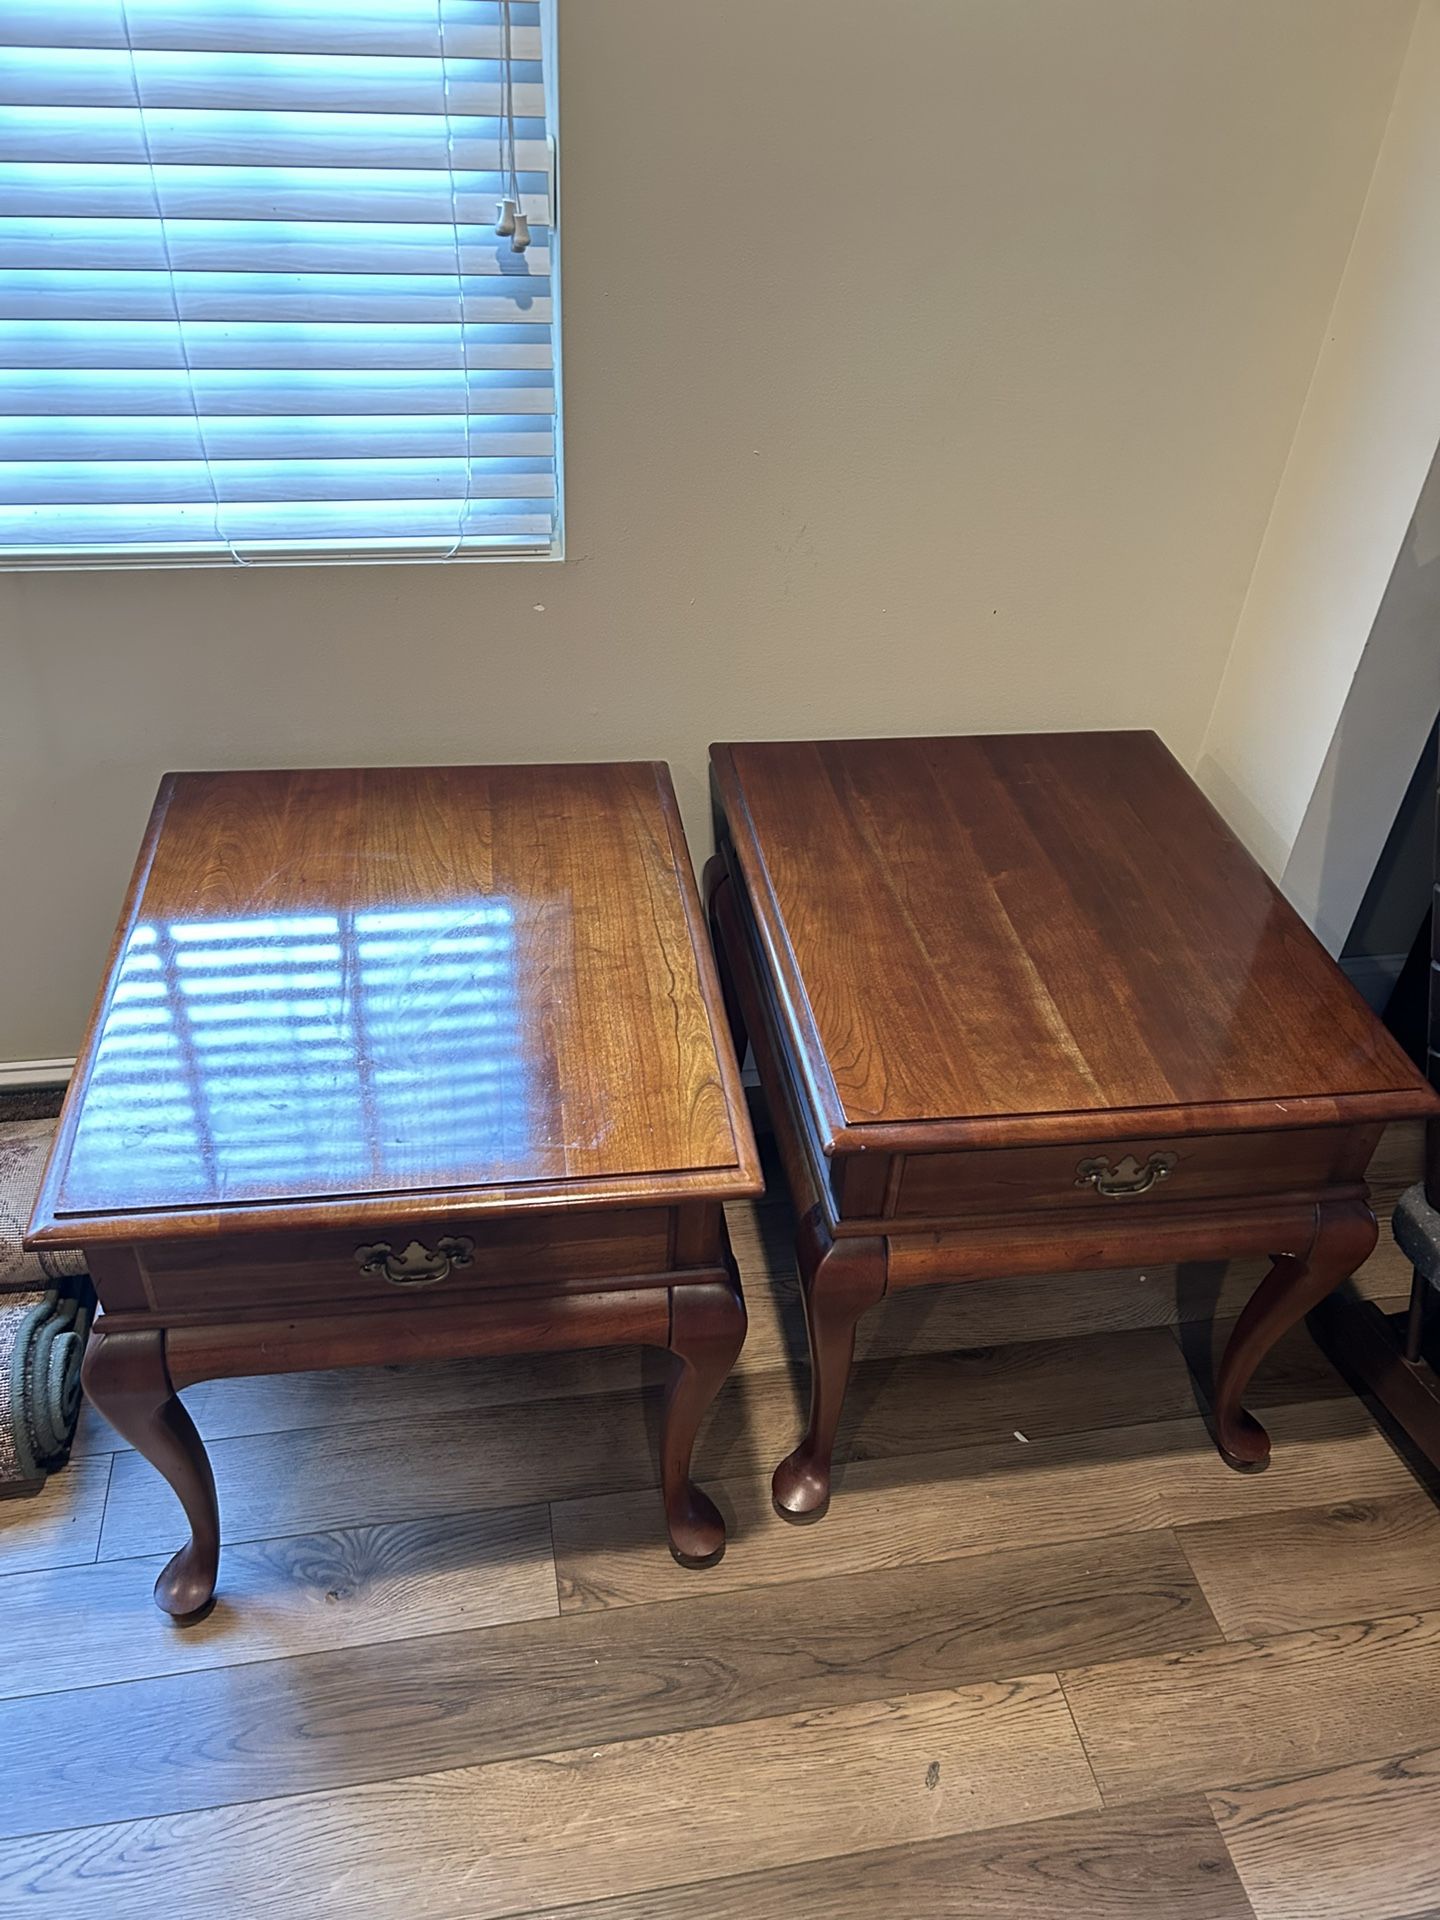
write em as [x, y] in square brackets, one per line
[253, 305]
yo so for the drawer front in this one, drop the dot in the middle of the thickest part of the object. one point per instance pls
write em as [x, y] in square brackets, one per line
[386, 1265]
[1130, 1173]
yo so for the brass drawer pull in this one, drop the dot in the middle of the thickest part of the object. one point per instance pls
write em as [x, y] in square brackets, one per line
[1128, 1178]
[417, 1266]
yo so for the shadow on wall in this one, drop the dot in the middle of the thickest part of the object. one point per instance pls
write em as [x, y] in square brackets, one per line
[1372, 760]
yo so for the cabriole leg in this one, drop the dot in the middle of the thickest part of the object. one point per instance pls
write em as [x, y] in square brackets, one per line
[839, 1280]
[1345, 1236]
[126, 1376]
[707, 1331]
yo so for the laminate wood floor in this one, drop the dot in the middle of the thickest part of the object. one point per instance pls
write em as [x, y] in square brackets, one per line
[1046, 1656]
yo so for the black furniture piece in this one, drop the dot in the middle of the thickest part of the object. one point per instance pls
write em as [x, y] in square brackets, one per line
[1397, 1357]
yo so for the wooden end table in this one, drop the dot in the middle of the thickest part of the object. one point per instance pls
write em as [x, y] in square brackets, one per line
[403, 1064]
[1023, 1005]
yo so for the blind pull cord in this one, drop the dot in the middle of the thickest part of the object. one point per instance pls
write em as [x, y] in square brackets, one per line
[510, 219]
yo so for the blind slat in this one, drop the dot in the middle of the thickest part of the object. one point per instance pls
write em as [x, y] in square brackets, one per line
[367, 141]
[82, 77]
[257, 246]
[472, 28]
[257, 390]
[276, 438]
[154, 482]
[335, 523]
[138, 345]
[268, 195]
[394, 299]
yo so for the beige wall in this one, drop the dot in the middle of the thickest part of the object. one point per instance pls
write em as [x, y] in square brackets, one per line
[1334, 571]
[941, 378]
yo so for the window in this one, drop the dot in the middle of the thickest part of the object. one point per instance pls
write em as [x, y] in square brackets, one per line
[253, 302]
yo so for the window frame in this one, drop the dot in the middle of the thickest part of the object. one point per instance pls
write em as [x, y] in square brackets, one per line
[118, 560]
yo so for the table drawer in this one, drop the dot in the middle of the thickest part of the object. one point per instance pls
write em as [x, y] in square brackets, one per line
[387, 1264]
[1128, 1173]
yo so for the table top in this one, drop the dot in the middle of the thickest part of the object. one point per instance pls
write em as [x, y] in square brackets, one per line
[486, 985]
[1030, 937]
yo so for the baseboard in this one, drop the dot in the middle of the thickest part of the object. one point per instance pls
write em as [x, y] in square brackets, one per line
[17, 1075]
[1374, 974]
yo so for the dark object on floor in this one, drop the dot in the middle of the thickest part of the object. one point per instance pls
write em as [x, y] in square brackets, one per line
[1398, 1360]
[46, 1305]
[31, 1103]
[1406, 1011]
[977, 1066]
[42, 1343]
[1417, 1234]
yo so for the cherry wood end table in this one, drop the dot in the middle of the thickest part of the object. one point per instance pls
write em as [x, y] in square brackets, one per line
[1024, 1005]
[395, 1065]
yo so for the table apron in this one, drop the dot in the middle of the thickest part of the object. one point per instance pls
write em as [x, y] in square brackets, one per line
[521, 1324]
[236, 1278]
[1060, 1245]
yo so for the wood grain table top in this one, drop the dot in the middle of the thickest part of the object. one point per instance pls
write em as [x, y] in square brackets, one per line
[486, 982]
[992, 940]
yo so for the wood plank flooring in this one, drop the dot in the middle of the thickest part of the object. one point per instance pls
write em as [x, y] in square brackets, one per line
[1046, 1654]
[1164, 1861]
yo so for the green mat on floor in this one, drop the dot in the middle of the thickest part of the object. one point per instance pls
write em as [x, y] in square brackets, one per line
[42, 1342]
[46, 1306]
